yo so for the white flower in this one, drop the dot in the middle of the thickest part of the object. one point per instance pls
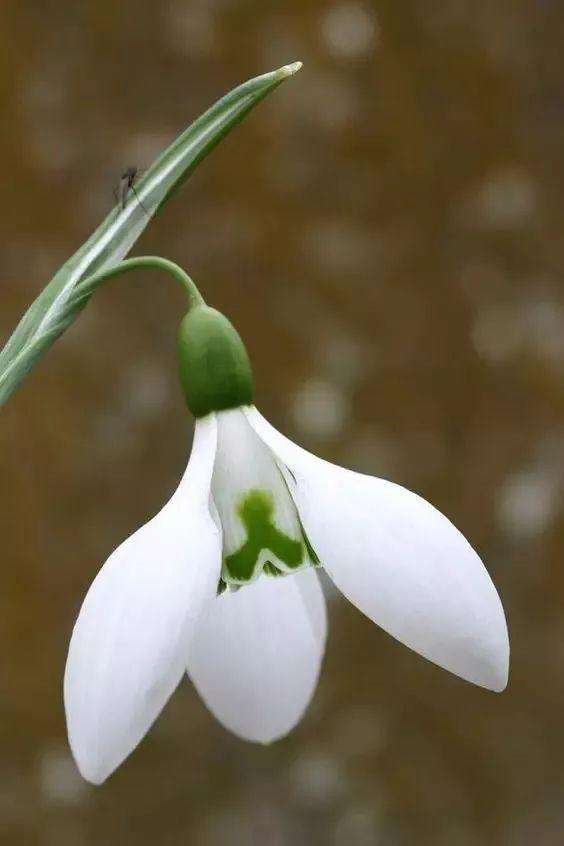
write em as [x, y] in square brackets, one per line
[254, 515]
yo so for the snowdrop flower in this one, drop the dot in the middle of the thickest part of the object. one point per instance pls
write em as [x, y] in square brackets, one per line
[222, 583]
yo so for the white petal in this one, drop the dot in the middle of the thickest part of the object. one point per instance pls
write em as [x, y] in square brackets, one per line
[128, 648]
[246, 472]
[256, 654]
[401, 562]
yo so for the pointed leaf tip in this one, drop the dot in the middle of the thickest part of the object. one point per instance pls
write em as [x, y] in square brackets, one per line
[290, 70]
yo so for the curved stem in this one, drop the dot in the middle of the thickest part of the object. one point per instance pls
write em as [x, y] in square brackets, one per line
[85, 288]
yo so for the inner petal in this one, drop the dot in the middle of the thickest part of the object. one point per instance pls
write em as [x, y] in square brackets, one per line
[261, 528]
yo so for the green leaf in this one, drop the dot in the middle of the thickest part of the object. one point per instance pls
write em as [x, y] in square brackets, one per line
[63, 299]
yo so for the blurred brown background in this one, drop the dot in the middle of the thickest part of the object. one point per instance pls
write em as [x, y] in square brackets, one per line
[386, 231]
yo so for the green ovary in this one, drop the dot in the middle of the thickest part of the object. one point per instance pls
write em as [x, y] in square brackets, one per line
[256, 511]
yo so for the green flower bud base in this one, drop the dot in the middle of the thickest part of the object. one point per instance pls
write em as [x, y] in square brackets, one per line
[215, 370]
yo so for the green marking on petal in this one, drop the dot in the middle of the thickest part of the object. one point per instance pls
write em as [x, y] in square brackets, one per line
[271, 570]
[256, 511]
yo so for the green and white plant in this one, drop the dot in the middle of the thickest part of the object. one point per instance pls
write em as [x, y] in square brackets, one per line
[221, 584]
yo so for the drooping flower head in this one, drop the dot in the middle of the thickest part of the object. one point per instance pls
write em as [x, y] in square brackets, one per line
[222, 582]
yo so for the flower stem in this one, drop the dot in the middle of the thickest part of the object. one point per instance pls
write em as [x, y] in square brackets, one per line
[86, 288]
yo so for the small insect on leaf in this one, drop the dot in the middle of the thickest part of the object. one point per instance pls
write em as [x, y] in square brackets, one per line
[126, 181]
[126, 185]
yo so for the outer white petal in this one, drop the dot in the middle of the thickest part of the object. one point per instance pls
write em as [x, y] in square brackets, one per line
[256, 654]
[401, 562]
[128, 648]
